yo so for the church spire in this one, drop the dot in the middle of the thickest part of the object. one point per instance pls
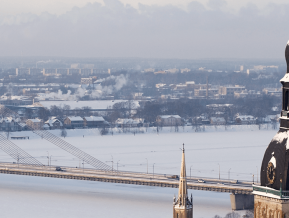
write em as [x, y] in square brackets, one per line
[183, 180]
[183, 206]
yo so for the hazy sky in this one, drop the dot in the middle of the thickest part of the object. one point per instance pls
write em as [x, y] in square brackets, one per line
[13, 7]
[145, 28]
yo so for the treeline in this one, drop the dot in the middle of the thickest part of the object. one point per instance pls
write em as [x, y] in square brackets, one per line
[59, 112]
[186, 108]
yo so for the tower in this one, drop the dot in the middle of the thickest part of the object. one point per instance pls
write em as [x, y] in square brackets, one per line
[271, 199]
[183, 206]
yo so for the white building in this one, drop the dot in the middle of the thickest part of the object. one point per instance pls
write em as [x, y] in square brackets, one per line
[169, 120]
[245, 119]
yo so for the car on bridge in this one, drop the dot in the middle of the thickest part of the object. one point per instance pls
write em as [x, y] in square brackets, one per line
[59, 169]
[175, 177]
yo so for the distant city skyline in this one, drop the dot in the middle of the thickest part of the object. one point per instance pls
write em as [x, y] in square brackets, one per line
[184, 29]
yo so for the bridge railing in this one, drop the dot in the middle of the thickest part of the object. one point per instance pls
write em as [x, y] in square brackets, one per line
[270, 191]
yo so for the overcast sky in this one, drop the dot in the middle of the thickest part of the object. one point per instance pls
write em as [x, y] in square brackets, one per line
[144, 28]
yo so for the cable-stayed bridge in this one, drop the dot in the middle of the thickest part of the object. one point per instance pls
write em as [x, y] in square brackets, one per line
[115, 176]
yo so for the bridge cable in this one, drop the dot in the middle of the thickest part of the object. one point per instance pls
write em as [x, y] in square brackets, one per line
[57, 141]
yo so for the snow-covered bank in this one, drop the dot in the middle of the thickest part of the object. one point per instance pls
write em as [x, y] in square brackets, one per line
[192, 129]
[154, 130]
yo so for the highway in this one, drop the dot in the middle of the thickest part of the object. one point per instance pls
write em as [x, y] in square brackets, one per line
[161, 180]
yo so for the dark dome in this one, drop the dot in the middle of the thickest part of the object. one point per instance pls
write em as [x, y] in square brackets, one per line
[275, 162]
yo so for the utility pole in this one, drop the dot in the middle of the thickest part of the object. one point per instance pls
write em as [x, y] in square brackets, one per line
[154, 170]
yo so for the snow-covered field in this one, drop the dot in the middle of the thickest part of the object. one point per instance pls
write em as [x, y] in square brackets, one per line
[239, 152]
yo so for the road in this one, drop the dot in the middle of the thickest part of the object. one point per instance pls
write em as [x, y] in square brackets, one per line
[162, 180]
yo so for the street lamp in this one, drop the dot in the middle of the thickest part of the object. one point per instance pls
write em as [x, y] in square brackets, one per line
[117, 165]
[147, 166]
[229, 173]
[253, 178]
[190, 171]
[219, 172]
[47, 157]
[112, 162]
[83, 166]
[18, 160]
[257, 173]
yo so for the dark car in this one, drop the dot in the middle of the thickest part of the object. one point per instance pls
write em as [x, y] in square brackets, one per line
[175, 177]
[59, 169]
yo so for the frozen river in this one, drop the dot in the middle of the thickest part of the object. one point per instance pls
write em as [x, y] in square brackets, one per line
[238, 153]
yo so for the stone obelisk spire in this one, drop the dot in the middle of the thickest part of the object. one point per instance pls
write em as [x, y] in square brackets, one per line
[183, 206]
[183, 180]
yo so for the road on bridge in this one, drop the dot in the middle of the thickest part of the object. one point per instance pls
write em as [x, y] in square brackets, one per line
[148, 179]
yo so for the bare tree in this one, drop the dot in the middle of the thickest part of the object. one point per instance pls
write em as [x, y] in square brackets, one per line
[103, 130]
[7, 133]
[63, 133]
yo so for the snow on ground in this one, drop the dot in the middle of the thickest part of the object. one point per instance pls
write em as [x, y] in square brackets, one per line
[98, 104]
[238, 153]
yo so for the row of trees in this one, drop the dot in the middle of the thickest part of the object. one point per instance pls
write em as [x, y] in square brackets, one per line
[59, 112]
[260, 107]
[186, 108]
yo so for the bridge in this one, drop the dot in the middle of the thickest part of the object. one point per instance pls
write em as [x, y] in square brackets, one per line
[135, 178]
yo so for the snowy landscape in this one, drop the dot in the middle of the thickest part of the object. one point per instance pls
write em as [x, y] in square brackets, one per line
[238, 152]
[107, 106]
